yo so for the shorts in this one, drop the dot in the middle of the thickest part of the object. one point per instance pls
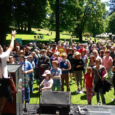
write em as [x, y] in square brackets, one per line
[71, 70]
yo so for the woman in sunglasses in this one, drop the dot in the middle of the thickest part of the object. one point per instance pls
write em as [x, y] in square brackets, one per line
[96, 55]
[65, 67]
[100, 73]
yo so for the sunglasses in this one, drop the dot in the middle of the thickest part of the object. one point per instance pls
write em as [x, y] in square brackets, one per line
[62, 56]
[107, 52]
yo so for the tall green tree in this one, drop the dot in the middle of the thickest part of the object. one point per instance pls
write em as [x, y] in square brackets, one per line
[110, 23]
[79, 15]
[5, 18]
[57, 7]
[87, 14]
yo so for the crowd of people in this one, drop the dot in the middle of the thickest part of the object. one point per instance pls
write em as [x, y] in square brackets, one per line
[89, 63]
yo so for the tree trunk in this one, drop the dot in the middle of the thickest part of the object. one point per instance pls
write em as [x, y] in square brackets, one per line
[25, 28]
[3, 33]
[4, 19]
[21, 26]
[80, 36]
[57, 22]
[29, 27]
[18, 26]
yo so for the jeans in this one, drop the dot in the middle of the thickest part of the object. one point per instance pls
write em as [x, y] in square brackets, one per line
[102, 96]
[31, 83]
[56, 84]
[27, 99]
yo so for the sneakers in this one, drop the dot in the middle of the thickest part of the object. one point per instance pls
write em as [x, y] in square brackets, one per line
[98, 103]
[77, 91]
[113, 100]
[89, 103]
[82, 89]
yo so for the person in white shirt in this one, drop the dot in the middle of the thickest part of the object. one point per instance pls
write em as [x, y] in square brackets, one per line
[47, 82]
[3, 68]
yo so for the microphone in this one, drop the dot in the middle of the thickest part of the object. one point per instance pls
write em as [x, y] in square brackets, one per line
[15, 56]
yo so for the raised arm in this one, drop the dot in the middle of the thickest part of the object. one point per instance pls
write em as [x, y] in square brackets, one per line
[12, 41]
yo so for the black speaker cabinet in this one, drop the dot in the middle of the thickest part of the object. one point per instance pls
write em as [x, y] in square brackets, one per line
[51, 102]
[15, 108]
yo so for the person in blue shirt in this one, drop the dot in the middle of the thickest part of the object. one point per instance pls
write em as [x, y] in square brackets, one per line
[56, 73]
[27, 69]
[65, 67]
[30, 59]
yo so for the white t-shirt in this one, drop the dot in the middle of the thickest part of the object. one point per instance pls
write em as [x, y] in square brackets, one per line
[47, 84]
[4, 56]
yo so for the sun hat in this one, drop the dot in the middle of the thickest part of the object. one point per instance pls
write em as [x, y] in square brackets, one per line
[46, 72]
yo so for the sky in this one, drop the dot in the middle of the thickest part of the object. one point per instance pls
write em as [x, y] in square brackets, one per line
[106, 1]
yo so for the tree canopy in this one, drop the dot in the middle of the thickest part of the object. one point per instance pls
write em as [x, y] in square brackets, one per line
[78, 16]
[110, 23]
[75, 16]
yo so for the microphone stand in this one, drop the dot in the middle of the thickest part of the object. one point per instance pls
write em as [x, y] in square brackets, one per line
[40, 79]
[25, 109]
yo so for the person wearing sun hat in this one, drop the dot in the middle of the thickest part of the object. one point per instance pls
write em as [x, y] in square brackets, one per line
[47, 82]
[65, 66]
[78, 68]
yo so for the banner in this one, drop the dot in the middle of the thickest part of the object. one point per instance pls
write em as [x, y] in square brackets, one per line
[61, 50]
[18, 41]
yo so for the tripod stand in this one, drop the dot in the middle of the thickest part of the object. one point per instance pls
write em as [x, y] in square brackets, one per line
[40, 80]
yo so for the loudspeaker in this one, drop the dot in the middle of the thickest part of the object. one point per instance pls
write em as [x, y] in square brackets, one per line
[16, 108]
[51, 102]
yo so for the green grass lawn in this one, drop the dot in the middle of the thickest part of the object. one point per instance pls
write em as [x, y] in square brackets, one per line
[26, 36]
[75, 98]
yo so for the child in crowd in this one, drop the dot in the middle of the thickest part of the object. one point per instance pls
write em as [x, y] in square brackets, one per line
[88, 81]
[47, 82]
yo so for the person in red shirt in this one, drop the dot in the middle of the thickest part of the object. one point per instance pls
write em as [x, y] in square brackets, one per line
[82, 49]
[88, 80]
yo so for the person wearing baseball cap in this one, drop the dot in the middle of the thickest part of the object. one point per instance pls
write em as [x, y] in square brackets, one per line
[47, 82]
[43, 64]
[30, 59]
[27, 70]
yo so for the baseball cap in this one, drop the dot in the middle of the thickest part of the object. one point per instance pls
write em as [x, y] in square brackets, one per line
[46, 72]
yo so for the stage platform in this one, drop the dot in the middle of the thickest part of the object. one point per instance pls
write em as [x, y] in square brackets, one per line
[92, 109]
